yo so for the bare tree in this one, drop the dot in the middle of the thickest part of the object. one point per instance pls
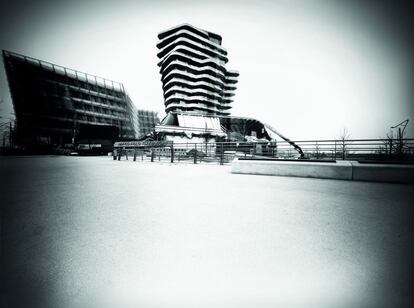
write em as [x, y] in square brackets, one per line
[317, 151]
[343, 137]
[389, 142]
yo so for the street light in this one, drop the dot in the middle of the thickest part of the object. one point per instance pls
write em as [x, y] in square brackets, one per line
[400, 133]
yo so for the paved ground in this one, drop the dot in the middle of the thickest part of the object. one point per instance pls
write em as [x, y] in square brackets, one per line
[85, 231]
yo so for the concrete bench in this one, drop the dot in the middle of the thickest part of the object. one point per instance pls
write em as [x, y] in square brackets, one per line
[340, 170]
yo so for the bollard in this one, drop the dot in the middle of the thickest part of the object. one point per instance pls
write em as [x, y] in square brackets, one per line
[152, 156]
[126, 154]
[135, 155]
[390, 147]
[222, 155]
[195, 154]
[119, 154]
[172, 154]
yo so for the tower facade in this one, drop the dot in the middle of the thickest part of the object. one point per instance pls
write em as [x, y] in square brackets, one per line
[193, 74]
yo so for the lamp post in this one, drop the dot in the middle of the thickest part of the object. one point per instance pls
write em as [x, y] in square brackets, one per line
[400, 134]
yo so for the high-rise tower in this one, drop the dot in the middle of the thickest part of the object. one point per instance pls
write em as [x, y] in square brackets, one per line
[194, 78]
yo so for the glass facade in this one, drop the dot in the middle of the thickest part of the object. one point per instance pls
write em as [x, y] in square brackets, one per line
[52, 102]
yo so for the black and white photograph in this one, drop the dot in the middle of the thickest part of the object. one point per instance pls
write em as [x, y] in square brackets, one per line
[199, 154]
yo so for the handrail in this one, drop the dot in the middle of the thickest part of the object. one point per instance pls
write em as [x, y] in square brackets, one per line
[292, 143]
[225, 152]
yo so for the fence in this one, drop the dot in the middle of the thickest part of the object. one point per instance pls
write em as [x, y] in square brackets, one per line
[225, 152]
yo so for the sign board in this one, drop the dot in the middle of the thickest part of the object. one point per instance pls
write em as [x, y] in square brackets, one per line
[144, 143]
[87, 146]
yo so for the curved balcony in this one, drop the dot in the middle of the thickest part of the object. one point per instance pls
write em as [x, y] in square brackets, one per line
[197, 111]
[186, 51]
[231, 79]
[185, 91]
[191, 98]
[192, 77]
[182, 66]
[228, 93]
[229, 87]
[192, 36]
[226, 100]
[184, 106]
[226, 106]
[233, 73]
[192, 85]
[201, 32]
[193, 45]
[178, 57]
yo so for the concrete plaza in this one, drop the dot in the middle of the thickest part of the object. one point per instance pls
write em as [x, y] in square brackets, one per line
[85, 231]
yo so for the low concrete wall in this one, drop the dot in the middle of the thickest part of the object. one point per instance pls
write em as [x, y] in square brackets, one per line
[340, 170]
[383, 173]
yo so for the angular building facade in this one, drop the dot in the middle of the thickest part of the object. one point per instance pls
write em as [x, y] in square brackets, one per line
[194, 77]
[54, 104]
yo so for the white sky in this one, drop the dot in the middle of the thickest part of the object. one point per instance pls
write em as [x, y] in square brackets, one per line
[307, 68]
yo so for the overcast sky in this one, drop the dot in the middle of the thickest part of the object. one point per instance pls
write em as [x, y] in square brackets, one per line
[308, 68]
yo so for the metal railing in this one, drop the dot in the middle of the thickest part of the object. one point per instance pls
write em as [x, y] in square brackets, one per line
[353, 149]
[225, 152]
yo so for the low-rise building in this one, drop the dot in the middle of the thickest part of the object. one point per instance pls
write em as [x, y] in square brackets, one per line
[53, 103]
